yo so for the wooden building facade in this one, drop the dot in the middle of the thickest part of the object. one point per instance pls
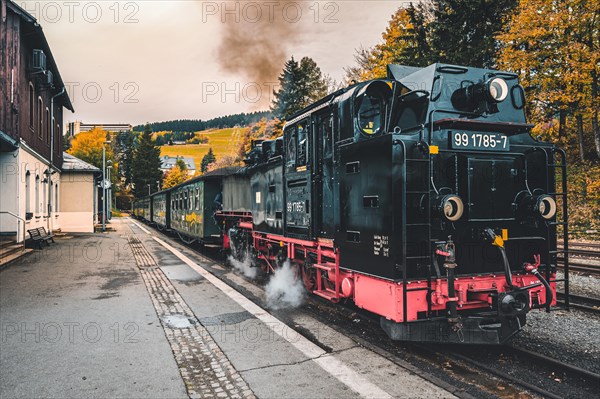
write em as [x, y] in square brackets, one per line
[32, 98]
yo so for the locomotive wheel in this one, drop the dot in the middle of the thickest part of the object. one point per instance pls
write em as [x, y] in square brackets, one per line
[309, 277]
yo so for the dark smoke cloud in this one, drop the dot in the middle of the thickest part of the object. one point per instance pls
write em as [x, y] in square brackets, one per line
[257, 48]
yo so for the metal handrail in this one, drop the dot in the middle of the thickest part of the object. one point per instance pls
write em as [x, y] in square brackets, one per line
[20, 219]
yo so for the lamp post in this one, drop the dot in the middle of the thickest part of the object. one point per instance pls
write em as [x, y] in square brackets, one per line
[158, 185]
[104, 185]
[109, 205]
[148, 188]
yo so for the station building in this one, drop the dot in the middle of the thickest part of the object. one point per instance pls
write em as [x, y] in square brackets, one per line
[32, 98]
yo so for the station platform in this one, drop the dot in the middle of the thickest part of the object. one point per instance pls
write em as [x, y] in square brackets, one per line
[133, 313]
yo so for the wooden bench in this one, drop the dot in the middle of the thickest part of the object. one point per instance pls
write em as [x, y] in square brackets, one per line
[40, 236]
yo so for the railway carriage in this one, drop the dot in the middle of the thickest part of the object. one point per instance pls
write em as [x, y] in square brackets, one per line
[142, 209]
[422, 198]
[160, 210]
[192, 207]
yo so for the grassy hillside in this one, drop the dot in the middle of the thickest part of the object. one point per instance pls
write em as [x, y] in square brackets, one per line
[222, 141]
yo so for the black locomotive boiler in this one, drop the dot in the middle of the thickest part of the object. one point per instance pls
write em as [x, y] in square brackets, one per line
[422, 198]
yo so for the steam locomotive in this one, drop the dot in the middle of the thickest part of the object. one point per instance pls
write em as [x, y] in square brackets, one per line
[421, 198]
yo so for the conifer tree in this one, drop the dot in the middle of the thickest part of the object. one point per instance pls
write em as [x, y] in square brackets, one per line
[207, 160]
[300, 85]
[145, 166]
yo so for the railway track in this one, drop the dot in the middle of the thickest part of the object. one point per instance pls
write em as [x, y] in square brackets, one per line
[474, 369]
[581, 267]
[541, 379]
[581, 302]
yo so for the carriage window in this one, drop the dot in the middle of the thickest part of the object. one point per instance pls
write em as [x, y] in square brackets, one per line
[197, 199]
[291, 147]
[369, 114]
[302, 132]
[190, 198]
[180, 197]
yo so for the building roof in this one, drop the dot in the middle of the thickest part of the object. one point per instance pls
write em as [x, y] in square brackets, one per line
[168, 162]
[74, 164]
[31, 28]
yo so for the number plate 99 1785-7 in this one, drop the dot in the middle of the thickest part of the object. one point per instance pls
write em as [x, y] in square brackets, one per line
[479, 141]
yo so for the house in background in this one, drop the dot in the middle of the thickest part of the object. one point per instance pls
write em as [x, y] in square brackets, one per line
[32, 98]
[78, 195]
[168, 162]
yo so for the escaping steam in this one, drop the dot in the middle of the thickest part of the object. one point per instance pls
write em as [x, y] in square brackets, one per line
[284, 289]
[244, 267]
[256, 48]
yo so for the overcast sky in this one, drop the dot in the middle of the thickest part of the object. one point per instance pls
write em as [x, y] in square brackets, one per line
[138, 61]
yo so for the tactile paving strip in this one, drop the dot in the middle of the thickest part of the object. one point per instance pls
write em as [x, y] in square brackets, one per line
[206, 371]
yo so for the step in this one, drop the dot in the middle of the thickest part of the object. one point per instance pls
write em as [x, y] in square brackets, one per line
[327, 294]
[7, 243]
[327, 266]
[6, 250]
[13, 257]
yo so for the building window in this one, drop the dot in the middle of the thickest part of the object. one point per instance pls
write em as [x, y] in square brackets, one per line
[40, 116]
[27, 193]
[47, 125]
[31, 106]
[37, 194]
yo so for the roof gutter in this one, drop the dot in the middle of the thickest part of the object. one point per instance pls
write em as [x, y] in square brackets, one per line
[51, 164]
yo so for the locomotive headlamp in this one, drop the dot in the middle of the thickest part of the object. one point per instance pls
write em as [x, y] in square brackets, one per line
[496, 89]
[451, 207]
[546, 206]
[542, 205]
[482, 96]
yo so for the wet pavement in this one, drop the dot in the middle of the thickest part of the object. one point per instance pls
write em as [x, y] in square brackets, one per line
[132, 313]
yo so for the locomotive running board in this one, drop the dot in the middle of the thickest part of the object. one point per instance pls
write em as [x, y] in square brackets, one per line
[475, 330]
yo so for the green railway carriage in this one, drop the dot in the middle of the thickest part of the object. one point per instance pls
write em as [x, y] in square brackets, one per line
[160, 211]
[142, 208]
[192, 206]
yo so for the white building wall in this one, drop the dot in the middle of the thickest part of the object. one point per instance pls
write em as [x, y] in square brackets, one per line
[14, 167]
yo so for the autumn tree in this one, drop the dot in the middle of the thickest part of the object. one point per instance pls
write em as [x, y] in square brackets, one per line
[404, 41]
[300, 85]
[459, 32]
[174, 176]
[223, 162]
[555, 48]
[207, 160]
[87, 146]
[145, 167]
[265, 129]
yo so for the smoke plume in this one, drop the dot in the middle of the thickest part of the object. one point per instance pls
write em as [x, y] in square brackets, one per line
[256, 47]
[244, 267]
[283, 289]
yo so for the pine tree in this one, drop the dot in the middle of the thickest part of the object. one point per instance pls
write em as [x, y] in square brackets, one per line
[463, 32]
[145, 168]
[300, 85]
[207, 160]
[312, 85]
[405, 42]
